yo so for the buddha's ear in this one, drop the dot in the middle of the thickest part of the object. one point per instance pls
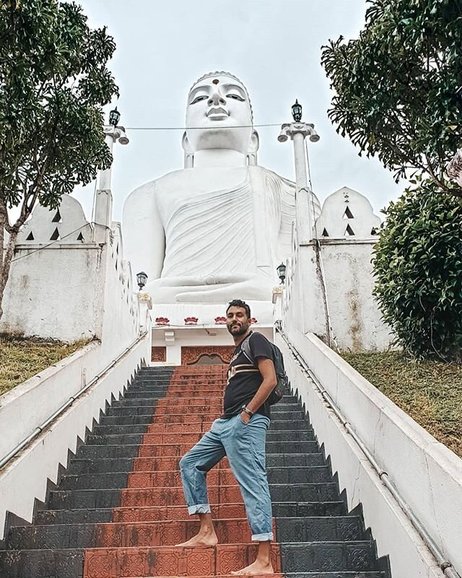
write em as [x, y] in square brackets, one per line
[254, 142]
[188, 152]
[253, 148]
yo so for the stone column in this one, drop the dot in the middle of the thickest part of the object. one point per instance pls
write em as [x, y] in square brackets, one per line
[145, 305]
[102, 203]
[304, 286]
[298, 131]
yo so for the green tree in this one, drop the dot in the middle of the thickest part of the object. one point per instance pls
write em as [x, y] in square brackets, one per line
[53, 84]
[397, 86]
[418, 269]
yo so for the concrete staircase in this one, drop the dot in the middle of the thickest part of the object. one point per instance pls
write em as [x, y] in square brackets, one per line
[119, 509]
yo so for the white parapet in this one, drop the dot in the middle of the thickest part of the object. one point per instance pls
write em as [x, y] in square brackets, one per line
[329, 285]
[425, 474]
[25, 477]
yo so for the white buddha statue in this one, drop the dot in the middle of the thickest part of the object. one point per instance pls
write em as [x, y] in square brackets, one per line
[218, 228]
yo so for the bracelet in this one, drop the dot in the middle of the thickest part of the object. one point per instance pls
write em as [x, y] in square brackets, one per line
[246, 410]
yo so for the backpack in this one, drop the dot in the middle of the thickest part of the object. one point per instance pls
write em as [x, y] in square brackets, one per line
[281, 376]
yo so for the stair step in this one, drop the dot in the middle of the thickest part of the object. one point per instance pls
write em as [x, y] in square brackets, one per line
[117, 439]
[133, 396]
[124, 420]
[298, 475]
[155, 513]
[50, 563]
[94, 480]
[320, 529]
[225, 476]
[274, 435]
[183, 394]
[116, 411]
[165, 561]
[282, 425]
[114, 535]
[184, 389]
[102, 473]
[169, 435]
[286, 415]
[221, 576]
[85, 516]
[146, 402]
[292, 447]
[79, 466]
[114, 451]
[329, 556]
[88, 499]
[130, 428]
[165, 533]
[295, 459]
[109, 497]
[353, 574]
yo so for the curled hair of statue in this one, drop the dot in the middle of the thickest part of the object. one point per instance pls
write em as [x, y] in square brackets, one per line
[229, 75]
[239, 303]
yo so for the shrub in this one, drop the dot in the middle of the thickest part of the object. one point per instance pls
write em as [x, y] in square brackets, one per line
[418, 269]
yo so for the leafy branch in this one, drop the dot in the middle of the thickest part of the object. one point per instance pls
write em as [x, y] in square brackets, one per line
[54, 82]
[395, 87]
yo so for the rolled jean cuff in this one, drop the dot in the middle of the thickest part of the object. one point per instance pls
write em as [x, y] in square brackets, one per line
[199, 509]
[262, 537]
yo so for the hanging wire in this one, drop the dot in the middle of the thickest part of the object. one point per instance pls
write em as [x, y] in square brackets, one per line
[161, 128]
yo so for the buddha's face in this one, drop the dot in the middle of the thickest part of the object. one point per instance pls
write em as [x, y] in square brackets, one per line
[218, 115]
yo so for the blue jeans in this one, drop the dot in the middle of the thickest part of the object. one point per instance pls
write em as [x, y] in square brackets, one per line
[244, 446]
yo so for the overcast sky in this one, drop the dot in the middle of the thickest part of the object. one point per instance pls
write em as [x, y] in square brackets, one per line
[273, 46]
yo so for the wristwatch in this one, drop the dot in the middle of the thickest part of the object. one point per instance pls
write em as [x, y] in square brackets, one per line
[246, 410]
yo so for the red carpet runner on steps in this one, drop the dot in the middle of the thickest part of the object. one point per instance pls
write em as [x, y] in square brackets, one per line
[153, 516]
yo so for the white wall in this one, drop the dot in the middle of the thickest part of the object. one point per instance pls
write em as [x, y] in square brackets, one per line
[54, 292]
[69, 289]
[330, 289]
[426, 474]
[356, 318]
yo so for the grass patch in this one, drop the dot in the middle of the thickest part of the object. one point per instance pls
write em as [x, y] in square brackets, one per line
[21, 359]
[429, 391]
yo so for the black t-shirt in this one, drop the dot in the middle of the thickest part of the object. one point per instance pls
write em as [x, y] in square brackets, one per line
[242, 385]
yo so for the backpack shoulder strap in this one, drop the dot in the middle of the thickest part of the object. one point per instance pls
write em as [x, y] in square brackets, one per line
[245, 348]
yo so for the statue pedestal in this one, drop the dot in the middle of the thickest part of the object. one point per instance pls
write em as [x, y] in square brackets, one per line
[196, 333]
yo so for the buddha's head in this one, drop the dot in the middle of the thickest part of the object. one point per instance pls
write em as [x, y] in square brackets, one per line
[219, 115]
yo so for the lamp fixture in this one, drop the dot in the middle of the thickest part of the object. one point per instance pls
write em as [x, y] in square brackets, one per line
[281, 270]
[141, 279]
[297, 111]
[114, 117]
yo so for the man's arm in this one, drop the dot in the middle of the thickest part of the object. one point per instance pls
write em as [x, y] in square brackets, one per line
[266, 368]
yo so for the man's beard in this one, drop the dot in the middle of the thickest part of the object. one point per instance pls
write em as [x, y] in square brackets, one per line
[238, 329]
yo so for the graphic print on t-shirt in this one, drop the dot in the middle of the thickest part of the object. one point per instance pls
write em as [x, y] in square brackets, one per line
[243, 380]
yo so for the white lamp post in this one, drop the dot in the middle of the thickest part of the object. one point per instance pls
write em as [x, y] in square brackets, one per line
[298, 131]
[102, 205]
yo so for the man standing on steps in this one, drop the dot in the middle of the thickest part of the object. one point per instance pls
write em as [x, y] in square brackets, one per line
[239, 434]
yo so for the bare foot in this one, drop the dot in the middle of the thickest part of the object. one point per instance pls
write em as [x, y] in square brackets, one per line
[255, 569]
[201, 540]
